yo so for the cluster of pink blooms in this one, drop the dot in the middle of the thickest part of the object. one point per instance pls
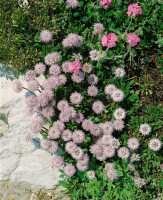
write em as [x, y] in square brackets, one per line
[132, 39]
[109, 40]
[72, 40]
[44, 106]
[72, 3]
[133, 10]
[75, 66]
[105, 3]
[46, 36]
[98, 28]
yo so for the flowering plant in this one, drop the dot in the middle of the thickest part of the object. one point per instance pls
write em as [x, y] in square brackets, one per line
[84, 108]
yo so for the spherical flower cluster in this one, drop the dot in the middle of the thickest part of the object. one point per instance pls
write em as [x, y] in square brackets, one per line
[37, 124]
[40, 68]
[78, 78]
[140, 182]
[123, 153]
[107, 127]
[135, 157]
[90, 175]
[109, 40]
[30, 75]
[69, 170]
[98, 28]
[65, 67]
[72, 40]
[54, 133]
[117, 95]
[133, 10]
[120, 72]
[72, 3]
[110, 171]
[87, 124]
[92, 79]
[66, 135]
[154, 144]
[105, 3]
[57, 161]
[94, 55]
[48, 145]
[33, 85]
[17, 86]
[78, 136]
[87, 68]
[75, 66]
[145, 129]
[76, 98]
[133, 143]
[109, 89]
[55, 70]
[92, 91]
[52, 58]
[98, 107]
[132, 39]
[119, 113]
[46, 36]
[118, 124]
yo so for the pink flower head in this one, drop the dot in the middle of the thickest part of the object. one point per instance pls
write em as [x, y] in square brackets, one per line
[81, 166]
[120, 72]
[95, 130]
[154, 144]
[87, 68]
[94, 55]
[132, 39]
[109, 89]
[109, 151]
[37, 124]
[78, 136]
[134, 9]
[70, 147]
[133, 143]
[47, 111]
[77, 154]
[76, 98]
[119, 113]
[62, 105]
[62, 79]
[46, 36]
[111, 174]
[145, 129]
[33, 85]
[31, 101]
[105, 3]
[92, 91]
[109, 40]
[118, 124]
[40, 68]
[90, 175]
[65, 67]
[55, 70]
[50, 146]
[98, 28]
[72, 3]
[117, 95]
[30, 75]
[78, 78]
[65, 115]
[17, 86]
[79, 117]
[75, 66]
[59, 125]
[54, 133]
[92, 79]
[66, 135]
[123, 153]
[87, 124]
[57, 161]
[72, 40]
[107, 127]
[52, 58]
[69, 170]
[98, 107]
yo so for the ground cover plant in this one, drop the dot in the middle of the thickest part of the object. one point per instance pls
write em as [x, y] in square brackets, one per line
[90, 110]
